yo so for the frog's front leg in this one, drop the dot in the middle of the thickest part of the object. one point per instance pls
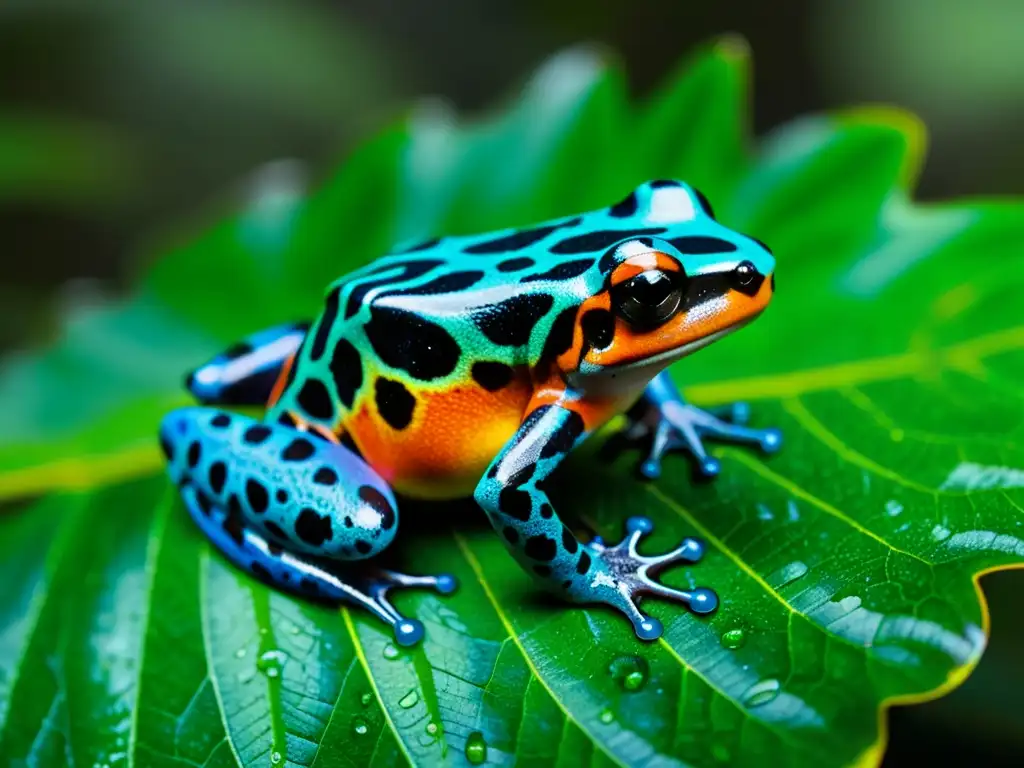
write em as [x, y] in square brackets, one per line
[667, 423]
[513, 495]
[290, 508]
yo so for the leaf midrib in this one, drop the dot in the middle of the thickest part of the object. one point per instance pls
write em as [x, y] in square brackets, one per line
[156, 539]
[360, 652]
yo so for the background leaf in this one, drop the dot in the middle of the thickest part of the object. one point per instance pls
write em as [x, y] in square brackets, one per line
[847, 564]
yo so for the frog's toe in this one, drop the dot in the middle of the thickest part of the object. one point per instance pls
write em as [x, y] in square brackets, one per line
[650, 468]
[634, 577]
[709, 467]
[408, 632]
[446, 584]
[771, 440]
[379, 585]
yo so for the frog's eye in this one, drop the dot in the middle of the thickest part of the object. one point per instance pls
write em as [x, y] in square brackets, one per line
[744, 274]
[648, 299]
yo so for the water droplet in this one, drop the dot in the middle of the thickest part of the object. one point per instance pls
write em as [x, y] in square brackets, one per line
[476, 748]
[630, 672]
[733, 639]
[940, 533]
[607, 716]
[270, 662]
[409, 700]
[761, 692]
[366, 698]
[390, 651]
[359, 726]
[893, 507]
[787, 574]
[275, 758]
[432, 729]
[763, 513]
[295, 629]
[794, 513]
[240, 653]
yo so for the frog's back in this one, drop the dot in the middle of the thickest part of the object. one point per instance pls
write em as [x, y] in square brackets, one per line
[426, 359]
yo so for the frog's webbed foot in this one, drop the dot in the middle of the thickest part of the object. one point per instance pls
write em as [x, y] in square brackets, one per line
[631, 576]
[372, 591]
[663, 422]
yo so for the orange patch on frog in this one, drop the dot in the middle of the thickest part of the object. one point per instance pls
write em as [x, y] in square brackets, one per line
[454, 435]
[595, 411]
[279, 384]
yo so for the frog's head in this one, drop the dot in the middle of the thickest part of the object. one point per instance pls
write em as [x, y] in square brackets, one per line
[662, 300]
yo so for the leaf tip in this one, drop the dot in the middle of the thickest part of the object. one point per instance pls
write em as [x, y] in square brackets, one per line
[910, 127]
[732, 47]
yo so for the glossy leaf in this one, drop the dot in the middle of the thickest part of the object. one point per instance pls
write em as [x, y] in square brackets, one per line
[846, 564]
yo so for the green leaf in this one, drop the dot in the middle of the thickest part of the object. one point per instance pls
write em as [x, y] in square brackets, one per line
[847, 564]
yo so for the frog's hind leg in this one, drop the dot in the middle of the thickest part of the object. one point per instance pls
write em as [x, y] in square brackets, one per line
[668, 423]
[291, 508]
[246, 373]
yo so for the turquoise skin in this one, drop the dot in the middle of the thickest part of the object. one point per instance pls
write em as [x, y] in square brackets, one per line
[473, 365]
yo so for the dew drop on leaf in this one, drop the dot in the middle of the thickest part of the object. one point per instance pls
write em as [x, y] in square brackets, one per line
[240, 653]
[940, 533]
[630, 672]
[432, 729]
[476, 748]
[893, 507]
[270, 662]
[761, 692]
[359, 726]
[275, 758]
[390, 651]
[607, 716]
[366, 698]
[409, 700]
[787, 574]
[733, 639]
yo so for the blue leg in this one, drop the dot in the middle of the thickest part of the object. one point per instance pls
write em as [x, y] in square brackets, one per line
[669, 423]
[513, 494]
[245, 374]
[290, 508]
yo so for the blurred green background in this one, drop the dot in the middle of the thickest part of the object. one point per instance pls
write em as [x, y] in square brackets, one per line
[120, 122]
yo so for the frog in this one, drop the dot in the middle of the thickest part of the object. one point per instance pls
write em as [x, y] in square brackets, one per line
[471, 366]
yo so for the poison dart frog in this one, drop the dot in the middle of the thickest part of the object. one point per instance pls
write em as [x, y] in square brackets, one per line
[472, 366]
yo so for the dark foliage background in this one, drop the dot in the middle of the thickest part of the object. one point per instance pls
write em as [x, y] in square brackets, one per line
[151, 113]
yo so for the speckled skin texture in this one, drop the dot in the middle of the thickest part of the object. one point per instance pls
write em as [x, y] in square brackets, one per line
[473, 365]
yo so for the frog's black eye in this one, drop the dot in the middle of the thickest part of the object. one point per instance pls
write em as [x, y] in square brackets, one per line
[746, 279]
[649, 299]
